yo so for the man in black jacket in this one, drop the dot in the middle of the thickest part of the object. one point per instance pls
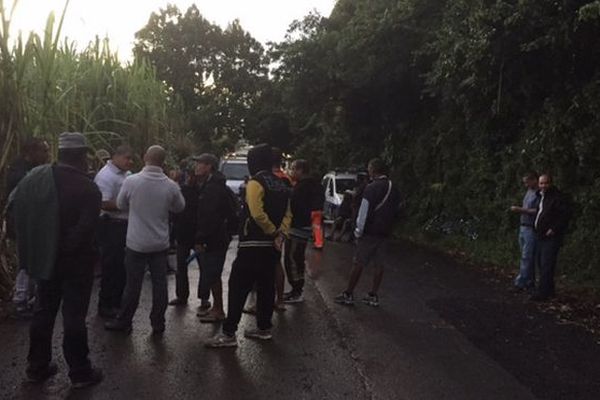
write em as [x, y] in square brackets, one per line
[374, 225]
[551, 223]
[185, 224]
[71, 278]
[307, 196]
[211, 236]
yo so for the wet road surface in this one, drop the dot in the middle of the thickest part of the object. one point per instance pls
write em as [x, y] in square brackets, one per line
[443, 331]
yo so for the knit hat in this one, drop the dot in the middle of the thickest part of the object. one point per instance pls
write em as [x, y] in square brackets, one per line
[71, 140]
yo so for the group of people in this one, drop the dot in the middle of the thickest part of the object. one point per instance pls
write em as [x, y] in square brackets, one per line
[122, 219]
[544, 219]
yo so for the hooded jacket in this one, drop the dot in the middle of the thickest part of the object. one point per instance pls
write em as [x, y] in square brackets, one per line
[267, 210]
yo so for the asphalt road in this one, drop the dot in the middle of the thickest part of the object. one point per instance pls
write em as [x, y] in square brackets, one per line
[443, 331]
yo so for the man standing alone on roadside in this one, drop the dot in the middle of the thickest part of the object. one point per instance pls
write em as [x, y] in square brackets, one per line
[113, 231]
[149, 196]
[527, 237]
[61, 256]
[551, 222]
[374, 225]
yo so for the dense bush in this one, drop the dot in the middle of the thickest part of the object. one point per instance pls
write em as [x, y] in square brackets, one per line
[461, 97]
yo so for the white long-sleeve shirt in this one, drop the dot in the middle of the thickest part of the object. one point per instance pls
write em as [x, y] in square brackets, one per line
[149, 196]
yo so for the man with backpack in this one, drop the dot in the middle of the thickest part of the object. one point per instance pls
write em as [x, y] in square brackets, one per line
[374, 225]
[216, 221]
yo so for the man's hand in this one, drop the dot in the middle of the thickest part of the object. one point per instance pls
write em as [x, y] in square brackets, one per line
[278, 242]
[200, 248]
[515, 209]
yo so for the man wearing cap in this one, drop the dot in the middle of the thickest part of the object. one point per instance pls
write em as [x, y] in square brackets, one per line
[60, 257]
[149, 196]
[113, 231]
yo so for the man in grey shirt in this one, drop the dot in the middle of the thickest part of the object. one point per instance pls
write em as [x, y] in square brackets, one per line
[527, 236]
[149, 196]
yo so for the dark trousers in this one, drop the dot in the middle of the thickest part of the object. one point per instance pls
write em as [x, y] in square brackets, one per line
[72, 286]
[294, 260]
[211, 267]
[182, 283]
[547, 255]
[112, 237]
[253, 265]
[135, 264]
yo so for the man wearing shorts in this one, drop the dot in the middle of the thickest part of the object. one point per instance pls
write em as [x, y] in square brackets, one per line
[374, 225]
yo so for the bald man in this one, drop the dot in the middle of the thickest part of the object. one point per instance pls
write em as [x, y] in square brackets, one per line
[148, 197]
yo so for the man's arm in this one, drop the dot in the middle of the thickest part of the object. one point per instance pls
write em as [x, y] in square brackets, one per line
[178, 202]
[255, 195]
[521, 210]
[109, 202]
[123, 196]
[361, 219]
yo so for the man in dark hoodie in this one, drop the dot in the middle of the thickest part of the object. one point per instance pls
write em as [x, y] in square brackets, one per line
[211, 237]
[551, 222]
[264, 227]
[307, 197]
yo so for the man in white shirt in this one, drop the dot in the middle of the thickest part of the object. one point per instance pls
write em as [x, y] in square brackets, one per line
[149, 196]
[113, 230]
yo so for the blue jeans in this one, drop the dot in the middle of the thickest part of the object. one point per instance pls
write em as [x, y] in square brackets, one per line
[528, 244]
[135, 264]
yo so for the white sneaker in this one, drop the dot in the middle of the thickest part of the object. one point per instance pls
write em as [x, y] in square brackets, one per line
[221, 340]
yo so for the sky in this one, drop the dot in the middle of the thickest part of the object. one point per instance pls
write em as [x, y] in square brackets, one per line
[266, 20]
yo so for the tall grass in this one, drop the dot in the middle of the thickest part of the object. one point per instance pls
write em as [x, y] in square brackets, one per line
[48, 86]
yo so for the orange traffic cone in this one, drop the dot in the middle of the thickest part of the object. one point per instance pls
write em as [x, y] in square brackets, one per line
[317, 228]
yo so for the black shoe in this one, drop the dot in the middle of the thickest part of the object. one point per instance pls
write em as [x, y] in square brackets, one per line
[117, 326]
[94, 377]
[178, 302]
[41, 375]
[107, 313]
[158, 330]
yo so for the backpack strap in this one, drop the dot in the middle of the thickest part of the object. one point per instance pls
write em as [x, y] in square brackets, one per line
[387, 195]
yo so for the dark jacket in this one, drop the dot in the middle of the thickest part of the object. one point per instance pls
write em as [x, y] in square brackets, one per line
[57, 210]
[185, 222]
[555, 213]
[269, 196]
[16, 171]
[36, 212]
[380, 222]
[79, 201]
[212, 211]
[307, 196]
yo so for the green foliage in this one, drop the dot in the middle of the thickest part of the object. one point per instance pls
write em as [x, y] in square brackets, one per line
[219, 74]
[462, 97]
